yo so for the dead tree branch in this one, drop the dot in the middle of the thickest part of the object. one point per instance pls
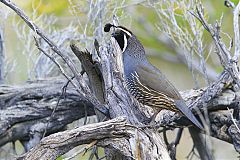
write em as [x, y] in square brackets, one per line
[101, 133]
[26, 110]
[41, 98]
[124, 138]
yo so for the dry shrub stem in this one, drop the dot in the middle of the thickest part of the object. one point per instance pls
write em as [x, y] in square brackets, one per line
[124, 136]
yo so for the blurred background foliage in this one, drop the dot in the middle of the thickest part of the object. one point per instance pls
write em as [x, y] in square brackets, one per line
[56, 17]
[136, 15]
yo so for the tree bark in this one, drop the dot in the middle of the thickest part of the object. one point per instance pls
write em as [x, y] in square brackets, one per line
[21, 122]
[29, 111]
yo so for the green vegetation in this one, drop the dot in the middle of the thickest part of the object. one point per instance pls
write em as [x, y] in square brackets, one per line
[138, 17]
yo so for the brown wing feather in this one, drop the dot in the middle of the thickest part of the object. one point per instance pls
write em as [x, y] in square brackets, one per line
[152, 78]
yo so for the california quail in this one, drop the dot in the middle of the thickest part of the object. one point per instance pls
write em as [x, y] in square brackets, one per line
[144, 81]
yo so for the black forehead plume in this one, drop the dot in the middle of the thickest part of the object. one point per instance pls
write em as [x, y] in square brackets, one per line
[108, 26]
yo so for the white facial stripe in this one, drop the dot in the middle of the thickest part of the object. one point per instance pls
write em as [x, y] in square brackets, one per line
[127, 32]
[125, 43]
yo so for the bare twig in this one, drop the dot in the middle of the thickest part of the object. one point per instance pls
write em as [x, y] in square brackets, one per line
[64, 88]
[172, 147]
[191, 154]
[1, 56]
[94, 153]
[186, 38]
[222, 52]
[201, 144]
[236, 33]
[234, 120]
[57, 64]
[52, 45]
[84, 149]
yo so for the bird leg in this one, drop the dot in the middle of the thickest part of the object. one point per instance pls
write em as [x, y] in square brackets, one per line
[172, 147]
[153, 117]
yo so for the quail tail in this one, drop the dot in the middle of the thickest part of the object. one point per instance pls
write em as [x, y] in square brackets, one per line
[181, 105]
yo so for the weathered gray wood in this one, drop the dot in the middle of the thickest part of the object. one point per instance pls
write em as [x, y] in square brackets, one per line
[103, 134]
[137, 143]
[221, 123]
[33, 103]
[59, 143]
[27, 109]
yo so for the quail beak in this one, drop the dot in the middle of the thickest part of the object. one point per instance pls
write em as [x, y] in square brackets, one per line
[115, 34]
